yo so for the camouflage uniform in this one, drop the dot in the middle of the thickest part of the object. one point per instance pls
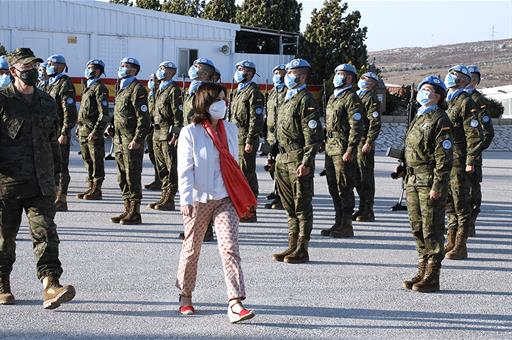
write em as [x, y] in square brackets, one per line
[168, 120]
[365, 183]
[93, 117]
[476, 177]
[29, 162]
[149, 139]
[274, 101]
[131, 123]
[467, 139]
[63, 92]
[428, 157]
[247, 112]
[344, 128]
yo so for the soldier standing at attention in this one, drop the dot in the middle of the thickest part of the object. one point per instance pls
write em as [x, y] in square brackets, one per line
[5, 75]
[488, 135]
[131, 125]
[344, 127]
[247, 112]
[365, 177]
[29, 163]
[93, 118]
[428, 158]
[62, 90]
[168, 121]
[299, 136]
[274, 101]
[467, 143]
[152, 85]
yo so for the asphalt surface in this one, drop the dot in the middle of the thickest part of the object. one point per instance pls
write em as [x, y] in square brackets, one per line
[125, 275]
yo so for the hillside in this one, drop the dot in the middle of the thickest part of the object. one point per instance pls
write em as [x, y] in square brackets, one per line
[406, 65]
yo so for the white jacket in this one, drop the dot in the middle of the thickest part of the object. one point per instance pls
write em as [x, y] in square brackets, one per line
[199, 176]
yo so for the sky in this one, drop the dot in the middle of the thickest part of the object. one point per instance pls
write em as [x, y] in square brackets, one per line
[393, 24]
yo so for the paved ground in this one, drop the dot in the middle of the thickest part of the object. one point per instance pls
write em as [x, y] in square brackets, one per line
[352, 288]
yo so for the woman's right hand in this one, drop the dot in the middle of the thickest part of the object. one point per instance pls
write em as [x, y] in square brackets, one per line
[187, 210]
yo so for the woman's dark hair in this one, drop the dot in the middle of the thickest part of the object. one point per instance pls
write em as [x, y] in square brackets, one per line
[206, 95]
[442, 97]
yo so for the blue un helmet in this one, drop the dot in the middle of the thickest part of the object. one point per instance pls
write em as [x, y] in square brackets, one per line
[204, 61]
[297, 63]
[280, 67]
[461, 69]
[4, 64]
[98, 63]
[473, 69]
[247, 64]
[168, 64]
[371, 75]
[347, 68]
[434, 81]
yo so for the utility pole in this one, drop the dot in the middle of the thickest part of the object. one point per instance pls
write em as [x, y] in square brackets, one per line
[493, 47]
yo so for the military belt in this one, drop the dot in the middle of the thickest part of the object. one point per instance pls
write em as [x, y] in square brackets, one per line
[288, 148]
[420, 169]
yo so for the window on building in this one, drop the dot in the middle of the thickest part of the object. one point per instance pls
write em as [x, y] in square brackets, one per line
[186, 58]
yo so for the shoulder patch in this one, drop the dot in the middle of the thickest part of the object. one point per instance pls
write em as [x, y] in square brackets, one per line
[70, 101]
[180, 107]
[356, 116]
[104, 102]
[259, 111]
[486, 119]
[474, 123]
[144, 108]
[447, 144]
[312, 124]
[375, 114]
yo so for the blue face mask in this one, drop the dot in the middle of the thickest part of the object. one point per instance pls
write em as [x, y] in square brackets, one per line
[277, 79]
[362, 84]
[423, 97]
[42, 74]
[450, 80]
[193, 72]
[290, 81]
[151, 84]
[88, 73]
[338, 80]
[239, 76]
[5, 80]
[160, 74]
[122, 72]
[50, 70]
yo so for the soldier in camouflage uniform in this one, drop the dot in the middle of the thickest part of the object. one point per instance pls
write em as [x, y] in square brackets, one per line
[274, 101]
[152, 85]
[168, 121]
[488, 135]
[93, 118]
[467, 143]
[428, 158]
[62, 90]
[131, 125]
[299, 136]
[247, 108]
[29, 163]
[202, 70]
[365, 181]
[344, 128]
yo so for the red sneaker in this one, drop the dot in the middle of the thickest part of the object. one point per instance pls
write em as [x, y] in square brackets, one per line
[187, 310]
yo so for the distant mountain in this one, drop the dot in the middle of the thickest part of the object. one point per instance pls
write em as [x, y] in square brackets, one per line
[410, 64]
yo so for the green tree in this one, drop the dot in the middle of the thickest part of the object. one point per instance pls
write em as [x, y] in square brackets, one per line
[149, 4]
[191, 8]
[333, 37]
[3, 51]
[122, 2]
[274, 14]
[220, 10]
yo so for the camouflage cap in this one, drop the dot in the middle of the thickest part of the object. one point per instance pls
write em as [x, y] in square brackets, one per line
[23, 55]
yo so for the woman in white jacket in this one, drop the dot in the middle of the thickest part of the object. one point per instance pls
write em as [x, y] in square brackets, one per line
[204, 197]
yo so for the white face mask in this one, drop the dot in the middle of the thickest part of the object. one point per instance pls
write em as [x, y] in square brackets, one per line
[218, 110]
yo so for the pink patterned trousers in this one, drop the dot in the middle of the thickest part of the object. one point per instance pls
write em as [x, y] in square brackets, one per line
[226, 223]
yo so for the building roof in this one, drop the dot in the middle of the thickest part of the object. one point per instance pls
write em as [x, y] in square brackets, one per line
[96, 17]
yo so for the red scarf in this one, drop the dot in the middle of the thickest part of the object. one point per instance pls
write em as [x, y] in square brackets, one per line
[235, 182]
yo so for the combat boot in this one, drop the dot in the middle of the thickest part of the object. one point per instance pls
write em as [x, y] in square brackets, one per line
[356, 215]
[422, 268]
[168, 202]
[450, 240]
[95, 194]
[460, 250]
[292, 245]
[82, 194]
[346, 229]
[61, 203]
[162, 198]
[133, 217]
[154, 186]
[430, 282]
[6, 297]
[251, 217]
[277, 204]
[327, 232]
[55, 294]
[365, 217]
[300, 254]
[117, 219]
